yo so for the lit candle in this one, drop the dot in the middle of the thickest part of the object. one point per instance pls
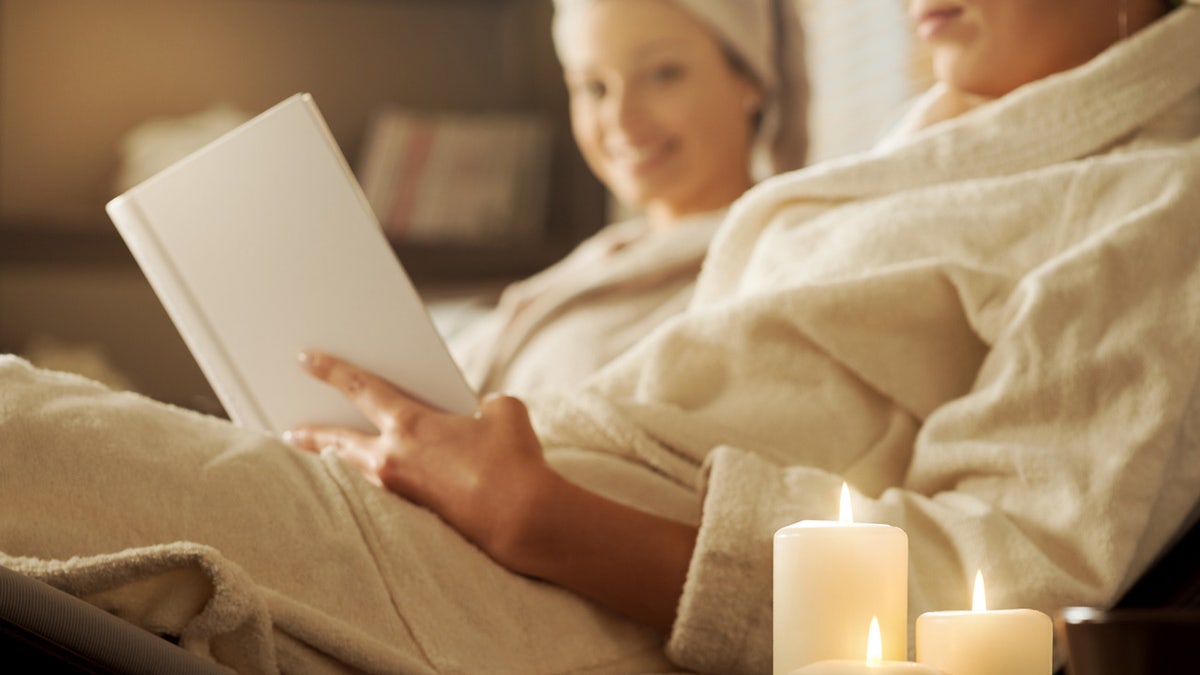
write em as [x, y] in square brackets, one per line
[986, 642]
[874, 665]
[831, 578]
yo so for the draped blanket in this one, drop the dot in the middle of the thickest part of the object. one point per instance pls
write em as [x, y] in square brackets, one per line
[990, 328]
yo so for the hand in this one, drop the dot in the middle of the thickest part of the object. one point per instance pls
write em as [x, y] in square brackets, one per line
[477, 473]
[485, 475]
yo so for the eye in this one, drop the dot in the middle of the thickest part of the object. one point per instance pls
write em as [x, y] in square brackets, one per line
[589, 88]
[667, 73]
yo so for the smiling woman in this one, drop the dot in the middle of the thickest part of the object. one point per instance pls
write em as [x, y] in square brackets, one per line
[663, 114]
[678, 106]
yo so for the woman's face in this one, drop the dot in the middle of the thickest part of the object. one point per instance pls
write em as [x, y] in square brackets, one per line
[658, 111]
[990, 47]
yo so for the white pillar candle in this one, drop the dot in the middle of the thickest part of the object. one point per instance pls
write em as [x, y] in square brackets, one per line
[873, 665]
[986, 642]
[831, 578]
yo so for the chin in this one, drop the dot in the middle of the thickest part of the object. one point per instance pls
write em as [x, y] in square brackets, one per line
[977, 77]
[636, 193]
[973, 81]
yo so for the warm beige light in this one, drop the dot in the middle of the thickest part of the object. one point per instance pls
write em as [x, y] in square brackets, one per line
[874, 644]
[846, 514]
[979, 603]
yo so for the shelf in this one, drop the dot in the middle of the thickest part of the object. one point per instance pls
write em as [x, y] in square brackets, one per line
[53, 245]
[450, 262]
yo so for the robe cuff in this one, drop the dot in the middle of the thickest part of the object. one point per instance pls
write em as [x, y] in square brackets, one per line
[724, 618]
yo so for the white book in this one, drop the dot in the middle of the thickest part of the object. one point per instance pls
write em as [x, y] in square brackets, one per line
[262, 244]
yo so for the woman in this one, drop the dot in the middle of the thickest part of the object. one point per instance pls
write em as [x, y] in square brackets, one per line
[676, 105]
[990, 327]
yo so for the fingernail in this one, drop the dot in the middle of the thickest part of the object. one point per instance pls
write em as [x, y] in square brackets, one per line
[307, 359]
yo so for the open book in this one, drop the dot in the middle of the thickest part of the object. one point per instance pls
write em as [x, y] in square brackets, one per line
[262, 244]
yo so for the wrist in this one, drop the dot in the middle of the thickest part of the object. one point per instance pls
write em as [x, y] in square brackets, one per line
[521, 530]
[618, 556]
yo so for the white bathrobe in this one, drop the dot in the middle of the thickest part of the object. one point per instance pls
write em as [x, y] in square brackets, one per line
[561, 325]
[990, 329]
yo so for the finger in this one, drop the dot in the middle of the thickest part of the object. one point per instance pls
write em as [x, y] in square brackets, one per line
[365, 461]
[502, 405]
[380, 400]
[316, 438]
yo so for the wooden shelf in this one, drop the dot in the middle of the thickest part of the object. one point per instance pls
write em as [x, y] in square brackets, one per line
[54, 244]
[450, 262]
[48, 244]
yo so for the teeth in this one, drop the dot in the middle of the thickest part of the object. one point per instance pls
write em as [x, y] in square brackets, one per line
[632, 154]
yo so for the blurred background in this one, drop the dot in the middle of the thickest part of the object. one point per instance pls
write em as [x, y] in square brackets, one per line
[95, 93]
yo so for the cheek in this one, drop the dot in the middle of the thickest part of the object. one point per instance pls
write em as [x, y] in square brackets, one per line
[1020, 41]
[585, 130]
[725, 128]
[703, 117]
[582, 120]
[589, 139]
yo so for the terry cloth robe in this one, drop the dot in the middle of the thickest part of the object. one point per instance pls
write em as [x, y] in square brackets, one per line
[564, 323]
[263, 558]
[991, 329]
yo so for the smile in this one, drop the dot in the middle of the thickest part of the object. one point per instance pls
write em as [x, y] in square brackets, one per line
[639, 158]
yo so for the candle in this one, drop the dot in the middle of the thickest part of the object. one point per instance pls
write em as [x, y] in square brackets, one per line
[831, 578]
[874, 665]
[986, 642]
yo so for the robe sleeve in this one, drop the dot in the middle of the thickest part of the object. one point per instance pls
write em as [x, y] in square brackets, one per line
[1068, 466]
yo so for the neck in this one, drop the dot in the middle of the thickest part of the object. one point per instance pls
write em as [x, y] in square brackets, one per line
[662, 215]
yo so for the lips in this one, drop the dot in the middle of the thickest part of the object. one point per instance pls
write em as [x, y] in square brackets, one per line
[934, 20]
[640, 158]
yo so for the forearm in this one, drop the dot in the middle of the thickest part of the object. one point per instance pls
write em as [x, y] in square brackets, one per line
[625, 559]
[487, 477]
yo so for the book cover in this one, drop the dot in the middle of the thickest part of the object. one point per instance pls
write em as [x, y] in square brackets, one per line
[262, 244]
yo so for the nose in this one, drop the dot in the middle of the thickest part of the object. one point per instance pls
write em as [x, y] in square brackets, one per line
[626, 111]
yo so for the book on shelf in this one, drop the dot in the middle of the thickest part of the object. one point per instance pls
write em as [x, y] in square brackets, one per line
[460, 178]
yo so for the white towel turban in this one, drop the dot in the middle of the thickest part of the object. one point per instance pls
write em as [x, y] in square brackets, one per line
[766, 35]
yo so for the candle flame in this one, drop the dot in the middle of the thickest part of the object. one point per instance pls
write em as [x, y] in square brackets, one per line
[874, 644]
[846, 514]
[979, 604]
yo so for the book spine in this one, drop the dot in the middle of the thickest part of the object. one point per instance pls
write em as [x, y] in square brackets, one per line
[184, 312]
